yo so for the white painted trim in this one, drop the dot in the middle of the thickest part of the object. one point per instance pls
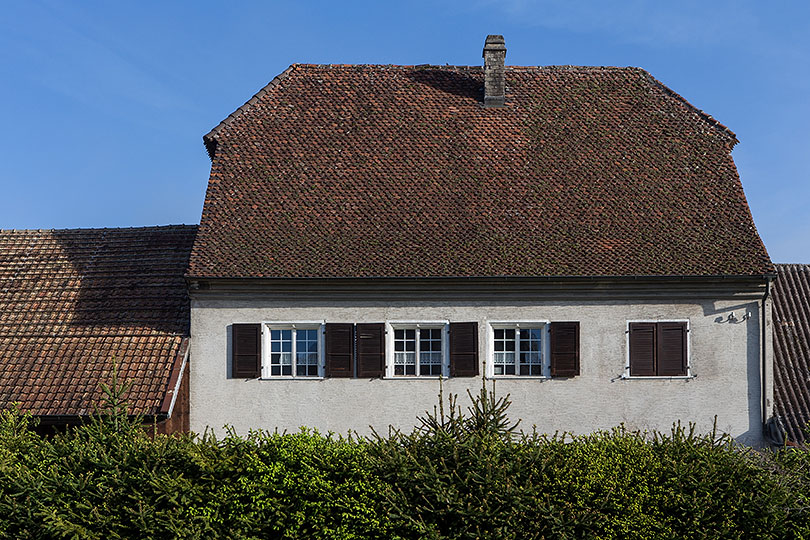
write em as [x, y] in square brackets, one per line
[489, 343]
[659, 378]
[427, 324]
[179, 379]
[320, 326]
[390, 326]
[626, 373]
[289, 378]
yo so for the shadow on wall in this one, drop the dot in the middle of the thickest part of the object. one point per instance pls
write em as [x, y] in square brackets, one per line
[754, 435]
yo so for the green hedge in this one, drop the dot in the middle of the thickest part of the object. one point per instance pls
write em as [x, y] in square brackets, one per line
[459, 475]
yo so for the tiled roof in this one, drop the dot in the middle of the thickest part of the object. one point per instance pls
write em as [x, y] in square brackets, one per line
[71, 301]
[398, 171]
[791, 345]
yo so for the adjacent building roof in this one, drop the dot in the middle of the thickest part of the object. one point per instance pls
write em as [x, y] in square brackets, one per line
[74, 301]
[791, 340]
[399, 171]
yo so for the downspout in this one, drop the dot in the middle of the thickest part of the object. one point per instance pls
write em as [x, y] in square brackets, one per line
[764, 354]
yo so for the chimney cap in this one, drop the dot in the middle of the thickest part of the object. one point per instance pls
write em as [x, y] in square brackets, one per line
[494, 42]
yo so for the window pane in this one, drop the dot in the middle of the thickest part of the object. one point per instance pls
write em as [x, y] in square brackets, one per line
[281, 358]
[430, 369]
[531, 360]
[404, 351]
[306, 358]
[430, 351]
[504, 357]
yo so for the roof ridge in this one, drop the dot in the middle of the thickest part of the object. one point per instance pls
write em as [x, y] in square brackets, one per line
[70, 229]
[566, 67]
[210, 142]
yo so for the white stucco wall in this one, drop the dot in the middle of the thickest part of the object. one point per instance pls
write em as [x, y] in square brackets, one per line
[724, 356]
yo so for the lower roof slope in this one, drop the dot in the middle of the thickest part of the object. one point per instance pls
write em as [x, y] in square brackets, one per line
[399, 171]
[72, 301]
[791, 344]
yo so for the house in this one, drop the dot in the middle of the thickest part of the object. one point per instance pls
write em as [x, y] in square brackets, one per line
[578, 235]
[72, 302]
[791, 338]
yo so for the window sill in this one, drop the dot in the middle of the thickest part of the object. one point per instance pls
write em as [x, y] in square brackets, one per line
[657, 377]
[414, 378]
[289, 378]
[517, 377]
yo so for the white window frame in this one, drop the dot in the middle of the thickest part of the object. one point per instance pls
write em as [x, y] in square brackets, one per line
[545, 350]
[298, 325]
[390, 326]
[626, 373]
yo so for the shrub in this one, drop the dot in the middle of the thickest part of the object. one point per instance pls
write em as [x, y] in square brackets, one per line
[460, 474]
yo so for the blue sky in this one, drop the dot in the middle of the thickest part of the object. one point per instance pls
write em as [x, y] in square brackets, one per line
[105, 103]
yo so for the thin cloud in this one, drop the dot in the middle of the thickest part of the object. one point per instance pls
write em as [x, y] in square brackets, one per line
[687, 23]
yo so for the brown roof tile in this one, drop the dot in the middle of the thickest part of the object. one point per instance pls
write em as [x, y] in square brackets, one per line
[72, 300]
[398, 171]
[791, 346]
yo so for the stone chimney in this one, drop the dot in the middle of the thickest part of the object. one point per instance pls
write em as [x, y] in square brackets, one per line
[494, 85]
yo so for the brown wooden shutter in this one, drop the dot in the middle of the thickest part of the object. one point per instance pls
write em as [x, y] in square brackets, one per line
[246, 351]
[671, 349]
[564, 349]
[339, 349]
[642, 349]
[370, 350]
[464, 349]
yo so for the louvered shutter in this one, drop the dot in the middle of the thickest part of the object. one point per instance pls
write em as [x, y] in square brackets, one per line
[671, 349]
[564, 349]
[464, 349]
[246, 351]
[370, 350]
[642, 349]
[339, 349]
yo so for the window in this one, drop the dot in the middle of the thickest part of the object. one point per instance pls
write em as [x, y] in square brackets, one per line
[292, 351]
[519, 349]
[418, 350]
[657, 349]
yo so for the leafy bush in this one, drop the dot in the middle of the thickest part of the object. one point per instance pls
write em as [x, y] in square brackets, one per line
[460, 474]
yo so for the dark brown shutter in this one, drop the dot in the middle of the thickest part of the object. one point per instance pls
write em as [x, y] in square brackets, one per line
[370, 350]
[246, 351]
[642, 349]
[564, 349]
[339, 349]
[464, 349]
[671, 349]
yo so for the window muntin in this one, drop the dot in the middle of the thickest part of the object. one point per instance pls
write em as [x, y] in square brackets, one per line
[404, 351]
[294, 351]
[306, 356]
[519, 350]
[531, 354]
[418, 351]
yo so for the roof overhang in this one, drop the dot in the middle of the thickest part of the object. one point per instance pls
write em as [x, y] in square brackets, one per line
[525, 287]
